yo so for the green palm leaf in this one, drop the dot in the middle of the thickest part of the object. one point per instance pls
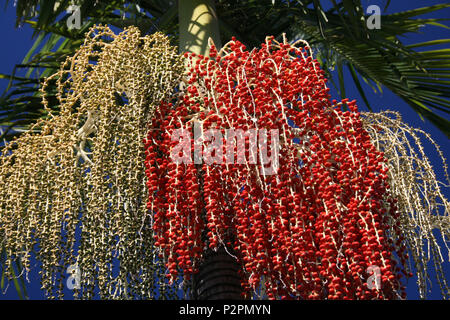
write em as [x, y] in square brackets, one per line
[418, 73]
[419, 77]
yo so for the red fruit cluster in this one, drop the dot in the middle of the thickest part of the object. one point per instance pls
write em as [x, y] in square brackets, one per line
[310, 231]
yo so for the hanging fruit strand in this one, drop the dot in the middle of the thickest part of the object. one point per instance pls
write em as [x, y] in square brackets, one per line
[318, 226]
[75, 175]
[423, 210]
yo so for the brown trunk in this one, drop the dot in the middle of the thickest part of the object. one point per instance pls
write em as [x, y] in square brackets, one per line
[218, 277]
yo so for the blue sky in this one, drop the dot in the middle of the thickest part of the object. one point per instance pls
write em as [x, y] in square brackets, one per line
[18, 41]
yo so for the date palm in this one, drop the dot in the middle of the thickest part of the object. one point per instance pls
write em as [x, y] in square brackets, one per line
[337, 32]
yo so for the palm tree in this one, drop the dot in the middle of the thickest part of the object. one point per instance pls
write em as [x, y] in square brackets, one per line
[338, 32]
[417, 72]
[218, 276]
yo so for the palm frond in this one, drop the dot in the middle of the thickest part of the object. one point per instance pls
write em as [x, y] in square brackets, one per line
[418, 73]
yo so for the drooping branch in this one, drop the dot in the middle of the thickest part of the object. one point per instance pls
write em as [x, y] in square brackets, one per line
[83, 171]
[424, 210]
[311, 222]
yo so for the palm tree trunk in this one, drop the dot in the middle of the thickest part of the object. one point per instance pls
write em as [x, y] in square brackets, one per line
[218, 276]
[198, 22]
